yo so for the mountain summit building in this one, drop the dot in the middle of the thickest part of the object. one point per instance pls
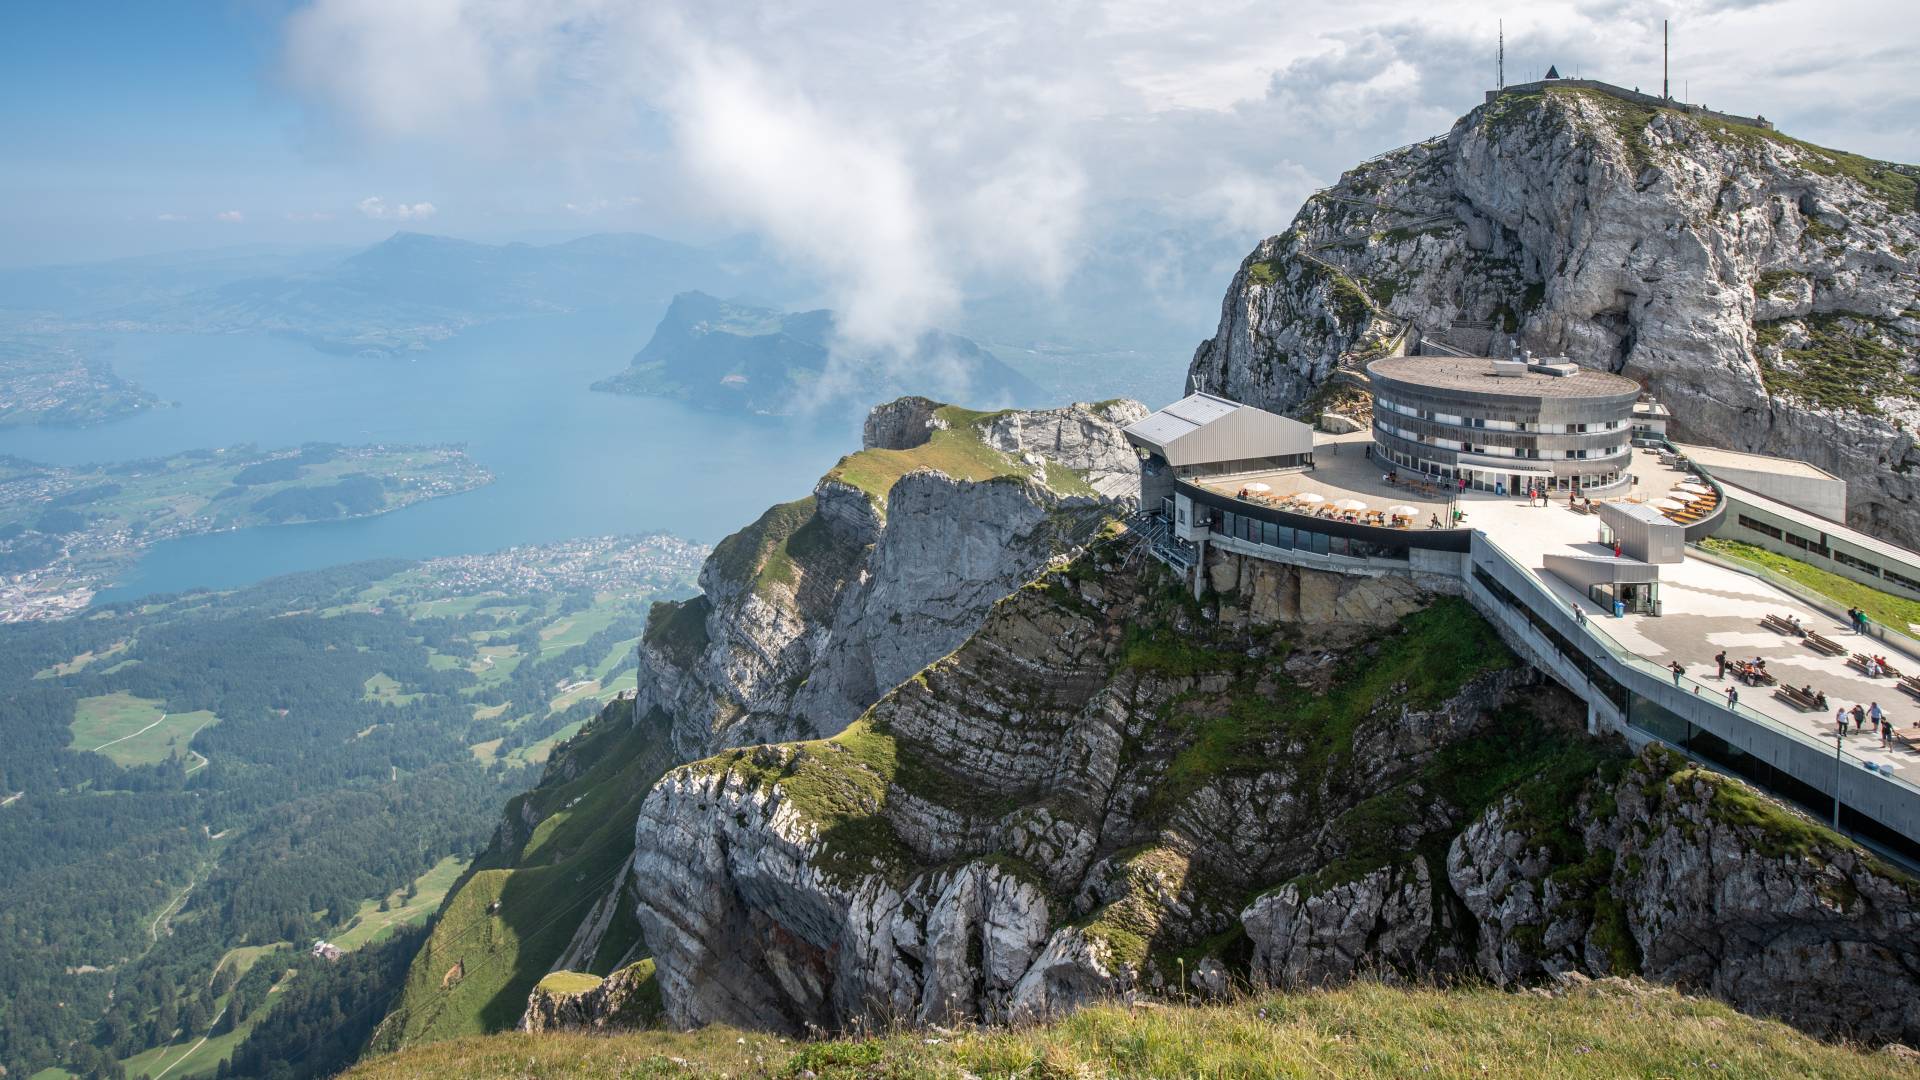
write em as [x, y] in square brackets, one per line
[1505, 425]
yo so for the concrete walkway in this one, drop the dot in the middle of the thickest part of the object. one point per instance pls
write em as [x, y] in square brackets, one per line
[1706, 608]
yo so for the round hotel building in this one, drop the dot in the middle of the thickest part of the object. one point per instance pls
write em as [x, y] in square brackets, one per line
[1505, 425]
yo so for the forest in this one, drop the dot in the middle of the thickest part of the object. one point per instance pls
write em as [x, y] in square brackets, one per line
[213, 781]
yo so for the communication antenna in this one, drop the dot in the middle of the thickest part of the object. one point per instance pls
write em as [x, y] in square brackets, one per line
[1665, 91]
[1500, 59]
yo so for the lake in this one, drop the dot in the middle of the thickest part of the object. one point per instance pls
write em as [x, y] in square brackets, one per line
[567, 462]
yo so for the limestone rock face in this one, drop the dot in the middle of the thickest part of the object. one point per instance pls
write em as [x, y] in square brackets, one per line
[1763, 288]
[995, 839]
[748, 927]
[1108, 780]
[1375, 924]
[1705, 885]
[811, 613]
[622, 1000]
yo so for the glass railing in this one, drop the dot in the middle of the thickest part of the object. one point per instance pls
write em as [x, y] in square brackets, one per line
[1713, 695]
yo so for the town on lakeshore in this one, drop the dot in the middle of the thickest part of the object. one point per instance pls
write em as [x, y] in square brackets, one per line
[1626, 566]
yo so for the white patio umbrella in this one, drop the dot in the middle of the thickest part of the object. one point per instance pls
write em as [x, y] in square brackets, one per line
[1349, 504]
[1259, 489]
[1671, 504]
[1309, 497]
[1402, 511]
[1694, 486]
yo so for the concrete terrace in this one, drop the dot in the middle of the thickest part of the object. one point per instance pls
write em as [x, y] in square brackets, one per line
[1341, 470]
[1707, 607]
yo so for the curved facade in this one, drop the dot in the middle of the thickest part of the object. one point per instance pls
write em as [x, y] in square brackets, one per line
[1504, 425]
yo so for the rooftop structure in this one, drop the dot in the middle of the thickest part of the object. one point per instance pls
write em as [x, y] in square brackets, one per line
[1504, 425]
[1207, 435]
[1215, 434]
[1796, 483]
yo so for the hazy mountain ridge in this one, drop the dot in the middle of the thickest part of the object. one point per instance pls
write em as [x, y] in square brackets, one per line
[734, 356]
[399, 295]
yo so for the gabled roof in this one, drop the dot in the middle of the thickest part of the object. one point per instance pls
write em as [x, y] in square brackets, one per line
[1189, 414]
[1204, 428]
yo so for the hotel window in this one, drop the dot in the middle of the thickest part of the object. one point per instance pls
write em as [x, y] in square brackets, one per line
[1901, 580]
[1759, 527]
[1858, 564]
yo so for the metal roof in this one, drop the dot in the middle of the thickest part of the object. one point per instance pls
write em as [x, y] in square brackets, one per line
[1189, 414]
[1716, 457]
[1641, 511]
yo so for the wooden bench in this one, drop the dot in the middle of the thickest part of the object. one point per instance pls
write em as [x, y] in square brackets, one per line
[1910, 684]
[1797, 699]
[1755, 676]
[1825, 645]
[1864, 663]
[1779, 624]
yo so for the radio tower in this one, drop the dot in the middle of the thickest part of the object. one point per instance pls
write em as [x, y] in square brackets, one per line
[1500, 59]
[1666, 92]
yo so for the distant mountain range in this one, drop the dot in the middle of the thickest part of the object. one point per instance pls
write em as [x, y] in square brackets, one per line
[399, 295]
[737, 357]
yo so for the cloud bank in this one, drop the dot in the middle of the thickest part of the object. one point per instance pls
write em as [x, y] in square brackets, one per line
[910, 156]
[373, 206]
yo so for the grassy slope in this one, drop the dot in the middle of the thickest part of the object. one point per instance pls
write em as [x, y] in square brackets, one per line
[544, 888]
[116, 718]
[1883, 607]
[1365, 1030]
[370, 924]
[957, 451]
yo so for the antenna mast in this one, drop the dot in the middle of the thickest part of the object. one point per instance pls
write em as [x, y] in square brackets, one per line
[1500, 59]
[1665, 91]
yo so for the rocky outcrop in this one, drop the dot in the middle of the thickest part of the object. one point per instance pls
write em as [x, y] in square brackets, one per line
[998, 836]
[567, 1001]
[816, 609]
[1762, 287]
[902, 424]
[1703, 884]
[1113, 791]
[1377, 924]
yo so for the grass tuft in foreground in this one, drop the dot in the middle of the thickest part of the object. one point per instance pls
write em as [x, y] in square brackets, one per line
[1610, 1029]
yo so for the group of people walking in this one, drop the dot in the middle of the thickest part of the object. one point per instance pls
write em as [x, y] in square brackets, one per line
[1872, 715]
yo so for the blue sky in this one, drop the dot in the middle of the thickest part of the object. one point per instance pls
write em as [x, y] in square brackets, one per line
[868, 139]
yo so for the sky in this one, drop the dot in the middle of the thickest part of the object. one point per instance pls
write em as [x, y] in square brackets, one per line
[899, 152]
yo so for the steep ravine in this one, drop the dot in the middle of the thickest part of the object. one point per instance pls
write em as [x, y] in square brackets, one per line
[1766, 289]
[1109, 789]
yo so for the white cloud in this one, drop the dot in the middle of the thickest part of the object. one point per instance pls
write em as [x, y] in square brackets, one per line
[379, 209]
[170, 217]
[231, 217]
[908, 155]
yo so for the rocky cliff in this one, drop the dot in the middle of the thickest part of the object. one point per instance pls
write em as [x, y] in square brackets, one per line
[1763, 287]
[1112, 790]
[821, 605]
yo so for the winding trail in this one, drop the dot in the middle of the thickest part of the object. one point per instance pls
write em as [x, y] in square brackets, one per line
[211, 1024]
[142, 731]
[153, 928]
